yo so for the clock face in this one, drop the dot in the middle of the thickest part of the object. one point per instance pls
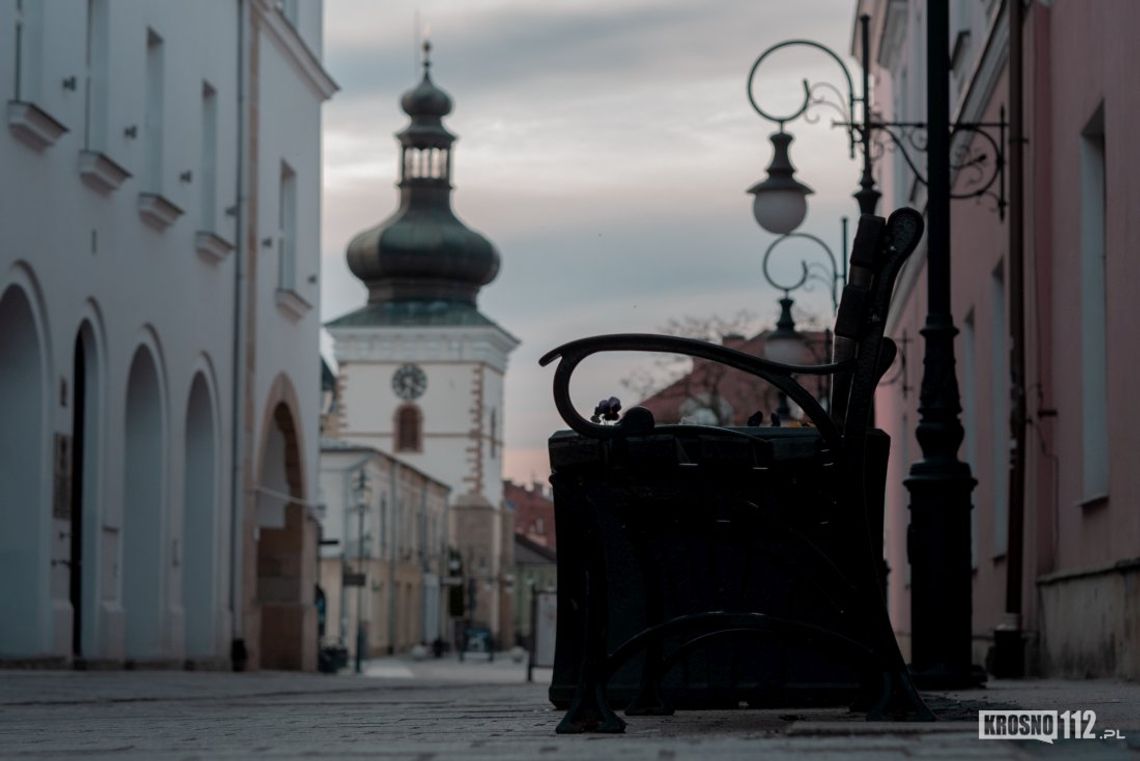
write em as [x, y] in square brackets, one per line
[409, 382]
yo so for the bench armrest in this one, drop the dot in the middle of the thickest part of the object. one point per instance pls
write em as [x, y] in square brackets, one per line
[778, 374]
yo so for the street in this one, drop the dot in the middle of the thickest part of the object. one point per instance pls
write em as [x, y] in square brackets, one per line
[478, 710]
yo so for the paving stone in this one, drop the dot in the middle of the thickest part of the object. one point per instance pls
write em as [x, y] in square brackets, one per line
[479, 711]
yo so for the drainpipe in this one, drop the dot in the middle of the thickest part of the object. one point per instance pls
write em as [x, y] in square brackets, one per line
[1009, 644]
[393, 536]
[425, 562]
[238, 652]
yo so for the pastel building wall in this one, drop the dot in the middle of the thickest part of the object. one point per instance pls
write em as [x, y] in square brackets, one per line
[1082, 531]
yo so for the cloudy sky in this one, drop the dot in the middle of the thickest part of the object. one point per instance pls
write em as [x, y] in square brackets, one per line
[605, 148]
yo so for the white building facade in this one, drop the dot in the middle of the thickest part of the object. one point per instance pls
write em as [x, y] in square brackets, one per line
[158, 230]
[420, 367]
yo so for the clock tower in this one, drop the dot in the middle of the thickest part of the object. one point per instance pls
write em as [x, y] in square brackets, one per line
[421, 369]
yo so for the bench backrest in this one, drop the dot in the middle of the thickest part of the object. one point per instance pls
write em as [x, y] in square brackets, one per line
[880, 249]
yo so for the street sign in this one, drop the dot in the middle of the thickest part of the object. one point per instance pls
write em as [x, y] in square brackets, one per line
[353, 580]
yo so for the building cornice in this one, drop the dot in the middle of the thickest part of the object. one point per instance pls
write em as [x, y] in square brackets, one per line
[487, 344]
[331, 448]
[290, 43]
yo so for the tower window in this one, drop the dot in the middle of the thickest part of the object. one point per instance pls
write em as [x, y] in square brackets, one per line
[424, 164]
[409, 429]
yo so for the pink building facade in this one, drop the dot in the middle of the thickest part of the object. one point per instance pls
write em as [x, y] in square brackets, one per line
[1080, 609]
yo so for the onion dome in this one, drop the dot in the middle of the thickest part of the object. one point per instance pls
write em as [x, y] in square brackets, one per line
[423, 251]
[426, 99]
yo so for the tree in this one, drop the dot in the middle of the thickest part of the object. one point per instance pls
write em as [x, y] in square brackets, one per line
[679, 389]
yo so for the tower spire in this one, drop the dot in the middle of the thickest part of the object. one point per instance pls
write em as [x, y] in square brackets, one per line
[423, 252]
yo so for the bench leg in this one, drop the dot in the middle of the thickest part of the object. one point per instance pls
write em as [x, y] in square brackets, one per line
[590, 709]
[890, 693]
[649, 701]
[897, 700]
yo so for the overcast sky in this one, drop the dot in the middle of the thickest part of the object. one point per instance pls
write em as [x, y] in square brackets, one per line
[605, 148]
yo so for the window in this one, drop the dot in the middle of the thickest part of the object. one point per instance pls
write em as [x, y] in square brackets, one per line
[961, 22]
[385, 537]
[494, 435]
[904, 454]
[208, 169]
[287, 230]
[1094, 359]
[902, 179]
[999, 393]
[29, 49]
[98, 44]
[153, 110]
[409, 422]
[970, 416]
[425, 163]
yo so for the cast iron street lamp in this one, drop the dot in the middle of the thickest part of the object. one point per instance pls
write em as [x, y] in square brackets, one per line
[785, 344]
[938, 538]
[780, 201]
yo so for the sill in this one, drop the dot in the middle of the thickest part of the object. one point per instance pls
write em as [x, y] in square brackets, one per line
[291, 302]
[33, 125]
[211, 246]
[1093, 503]
[157, 210]
[100, 172]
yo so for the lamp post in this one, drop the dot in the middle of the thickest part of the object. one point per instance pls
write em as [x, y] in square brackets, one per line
[938, 538]
[785, 344]
[362, 493]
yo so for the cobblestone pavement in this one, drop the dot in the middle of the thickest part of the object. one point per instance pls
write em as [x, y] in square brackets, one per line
[441, 710]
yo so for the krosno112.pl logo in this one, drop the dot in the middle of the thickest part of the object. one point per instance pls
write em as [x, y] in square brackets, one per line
[1045, 726]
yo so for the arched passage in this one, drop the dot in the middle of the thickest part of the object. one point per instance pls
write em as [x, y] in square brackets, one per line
[23, 480]
[142, 509]
[199, 516]
[85, 395]
[286, 552]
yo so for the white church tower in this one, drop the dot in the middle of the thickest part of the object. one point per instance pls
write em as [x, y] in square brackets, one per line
[420, 367]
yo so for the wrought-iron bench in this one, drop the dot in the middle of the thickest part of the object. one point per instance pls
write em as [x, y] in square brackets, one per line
[675, 538]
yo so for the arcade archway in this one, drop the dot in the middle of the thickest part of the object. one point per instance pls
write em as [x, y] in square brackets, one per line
[286, 552]
[143, 504]
[199, 523]
[23, 479]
